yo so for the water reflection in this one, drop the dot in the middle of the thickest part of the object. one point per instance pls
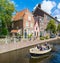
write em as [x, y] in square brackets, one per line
[39, 60]
[23, 56]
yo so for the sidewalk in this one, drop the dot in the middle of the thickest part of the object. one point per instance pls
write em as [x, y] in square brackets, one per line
[18, 45]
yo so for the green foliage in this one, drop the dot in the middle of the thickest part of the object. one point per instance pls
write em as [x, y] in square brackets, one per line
[58, 28]
[6, 10]
[46, 37]
[4, 31]
[30, 35]
[41, 38]
[51, 26]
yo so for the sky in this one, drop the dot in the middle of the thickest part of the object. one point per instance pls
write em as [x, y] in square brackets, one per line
[52, 7]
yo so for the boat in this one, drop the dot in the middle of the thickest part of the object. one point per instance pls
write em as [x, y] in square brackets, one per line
[39, 51]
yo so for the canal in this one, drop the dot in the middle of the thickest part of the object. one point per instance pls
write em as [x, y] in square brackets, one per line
[23, 56]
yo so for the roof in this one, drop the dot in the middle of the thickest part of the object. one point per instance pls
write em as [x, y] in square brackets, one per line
[19, 15]
[39, 13]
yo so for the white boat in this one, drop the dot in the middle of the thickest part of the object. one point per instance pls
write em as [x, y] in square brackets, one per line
[38, 52]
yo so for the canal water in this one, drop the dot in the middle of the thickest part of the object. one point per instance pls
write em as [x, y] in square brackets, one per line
[23, 56]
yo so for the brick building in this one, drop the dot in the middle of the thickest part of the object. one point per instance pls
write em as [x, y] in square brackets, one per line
[35, 22]
[23, 21]
[43, 19]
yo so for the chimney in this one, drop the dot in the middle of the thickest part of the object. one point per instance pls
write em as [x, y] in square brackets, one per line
[39, 5]
[55, 17]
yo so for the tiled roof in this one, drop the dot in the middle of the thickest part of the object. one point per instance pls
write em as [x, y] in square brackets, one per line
[19, 15]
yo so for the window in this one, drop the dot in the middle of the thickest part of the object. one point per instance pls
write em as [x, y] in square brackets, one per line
[34, 33]
[41, 19]
[29, 32]
[29, 18]
[36, 28]
[41, 33]
[27, 23]
[31, 25]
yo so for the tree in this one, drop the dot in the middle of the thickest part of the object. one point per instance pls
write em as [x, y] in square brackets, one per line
[58, 28]
[6, 10]
[51, 26]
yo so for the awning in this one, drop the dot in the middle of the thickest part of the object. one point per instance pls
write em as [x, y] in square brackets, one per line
[14, 31]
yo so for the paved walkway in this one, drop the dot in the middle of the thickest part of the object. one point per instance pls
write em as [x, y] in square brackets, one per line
[18, 45]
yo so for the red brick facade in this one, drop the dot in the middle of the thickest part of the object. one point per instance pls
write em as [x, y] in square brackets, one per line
[24, 20]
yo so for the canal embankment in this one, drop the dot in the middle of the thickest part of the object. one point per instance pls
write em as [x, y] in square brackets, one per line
[19, 45]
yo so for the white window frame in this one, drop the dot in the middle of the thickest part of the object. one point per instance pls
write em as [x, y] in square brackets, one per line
[31, 25]
[29, 18]
[27, 24]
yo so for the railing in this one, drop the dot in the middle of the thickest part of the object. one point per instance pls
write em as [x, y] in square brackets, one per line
[15, 39]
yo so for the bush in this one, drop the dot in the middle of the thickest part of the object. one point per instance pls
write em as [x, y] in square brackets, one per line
[46, 37]
[4, 31]
[30, 35]
[41, 38]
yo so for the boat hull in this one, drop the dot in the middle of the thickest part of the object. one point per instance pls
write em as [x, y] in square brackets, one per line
[38, 55]
[35, 55]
